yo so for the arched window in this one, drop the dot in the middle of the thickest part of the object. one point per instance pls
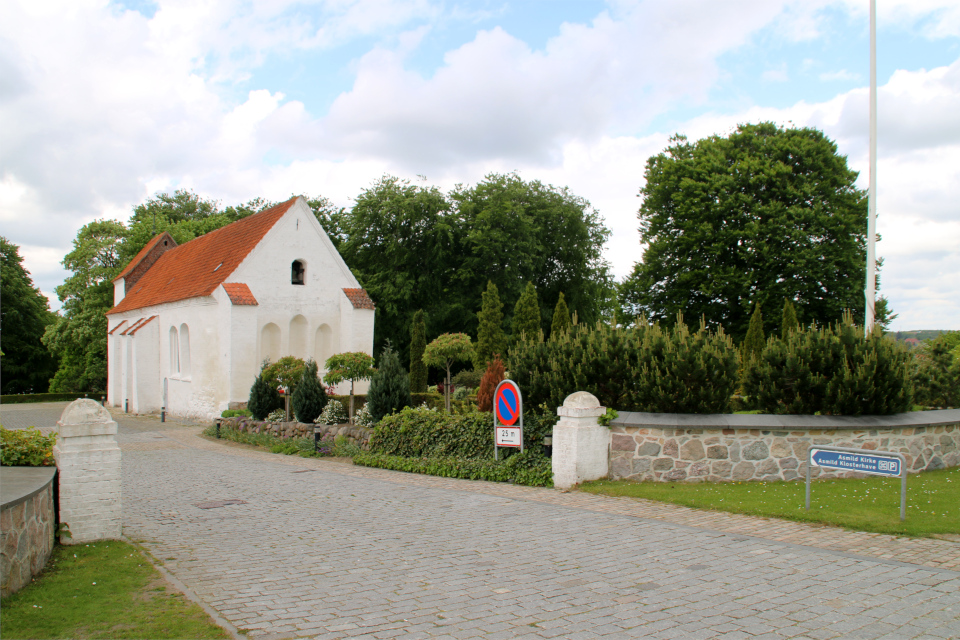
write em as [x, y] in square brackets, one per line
[298, 272]
[185, 350]
[174, 352]
[270, 343]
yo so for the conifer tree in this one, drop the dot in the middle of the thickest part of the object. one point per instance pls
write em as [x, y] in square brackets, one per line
[418, 342]
[309, 396]
[389, 388]
[789, 323]
[490, 337]
[526, 315]
[754, 341]
[561, 319]
[263, 398]
[493, 376]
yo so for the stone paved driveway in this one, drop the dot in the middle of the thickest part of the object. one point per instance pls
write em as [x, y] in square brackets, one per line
[313, 548]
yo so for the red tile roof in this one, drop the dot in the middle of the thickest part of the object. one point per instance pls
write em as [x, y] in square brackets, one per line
[359, 299]
[141, 325]
[197, 268]
[122, 322]
[239, 293]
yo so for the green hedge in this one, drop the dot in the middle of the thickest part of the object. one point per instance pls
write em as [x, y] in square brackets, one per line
[527, 468]
[833, 371]
[50, 397]
[638, 368]
[26, 448]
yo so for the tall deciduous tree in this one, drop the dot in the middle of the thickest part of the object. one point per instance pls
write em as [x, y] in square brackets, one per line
[761, 215]
[527, 323]
[490, 338]
[418, 342]
[353, 366]
[446, 350]
[26, 365]
[561, 319]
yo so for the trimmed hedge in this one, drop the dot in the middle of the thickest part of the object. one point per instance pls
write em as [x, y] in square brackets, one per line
[50, 397]
[527, 468]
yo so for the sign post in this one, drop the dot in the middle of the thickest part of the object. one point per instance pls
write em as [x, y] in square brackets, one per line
[877, 463]
[507, 417]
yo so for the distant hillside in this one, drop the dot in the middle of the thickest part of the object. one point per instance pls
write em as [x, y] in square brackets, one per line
[920, 335]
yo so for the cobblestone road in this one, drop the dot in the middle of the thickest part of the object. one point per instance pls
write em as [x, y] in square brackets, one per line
[313, 548]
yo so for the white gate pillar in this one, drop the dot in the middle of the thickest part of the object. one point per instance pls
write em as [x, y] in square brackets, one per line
[88, 459]
[581, 446]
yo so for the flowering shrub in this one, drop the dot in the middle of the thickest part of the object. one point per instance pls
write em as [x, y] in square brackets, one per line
[333, 413]
[277, 415]
[26, 448]
[362, 418]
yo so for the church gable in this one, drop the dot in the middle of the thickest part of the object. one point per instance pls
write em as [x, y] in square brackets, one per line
[145, 259]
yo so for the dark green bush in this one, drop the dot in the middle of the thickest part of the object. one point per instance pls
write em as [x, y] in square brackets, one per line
[467, 379]
[309, 396]
[527, 468]
[26, 448]
[639, 368]
[935, 373]
[390, 387]
[833, 371]
[263, 399]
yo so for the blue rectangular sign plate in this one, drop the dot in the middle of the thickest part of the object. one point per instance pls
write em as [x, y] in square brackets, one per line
[863, 462]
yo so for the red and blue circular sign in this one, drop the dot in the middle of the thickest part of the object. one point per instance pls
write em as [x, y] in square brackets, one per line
[506, 403]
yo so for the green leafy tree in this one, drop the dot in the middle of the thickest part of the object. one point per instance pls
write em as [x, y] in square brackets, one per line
[352, 366]
[561, 319]
[26, 365]
[309, 396]
[754, 341]
[78, 338]
[490, 338]
[935, 372]
[526, 316]
[764, 209]
[286, 372]
[418, 342]
[444, 351]
[389, 388]
[883, 314]
[789, 322]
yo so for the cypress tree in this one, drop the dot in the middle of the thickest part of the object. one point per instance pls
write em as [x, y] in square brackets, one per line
[309, 396]
[754, 342]
[418, 342]
[789, 323]
[263, 398]
[561, 319]
[390, 387]
[526, 316]
[490, 337]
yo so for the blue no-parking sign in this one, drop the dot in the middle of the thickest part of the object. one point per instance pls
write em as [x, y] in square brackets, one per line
[507, 417]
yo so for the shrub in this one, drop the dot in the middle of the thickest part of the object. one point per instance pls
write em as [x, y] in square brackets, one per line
[277, 415]
[418, 342]
[389, 389]
[935, 373]
[469, 378]
[233, 413]
[831, 370]
[333, 413]
[488, 385]
[639, 368]
[263, 398]
[309, 397]
[527, 468]
[363, 417]
[461, 394]
[26, 448]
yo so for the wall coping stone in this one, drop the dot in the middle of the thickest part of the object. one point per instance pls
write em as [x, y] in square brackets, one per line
[19, 484]
[784, 422]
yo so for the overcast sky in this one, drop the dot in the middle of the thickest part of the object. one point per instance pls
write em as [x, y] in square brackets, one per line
[103, 104]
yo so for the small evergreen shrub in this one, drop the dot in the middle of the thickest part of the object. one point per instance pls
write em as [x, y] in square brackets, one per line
[461, 394]
[469, 378]
[389, 389]
[935, 373]
[831, 370]
[418, 342]
[309, 397]
[333, 413]
[263, 398]
[26, 448]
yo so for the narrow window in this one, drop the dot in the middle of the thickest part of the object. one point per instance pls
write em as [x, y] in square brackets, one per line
[297, 272]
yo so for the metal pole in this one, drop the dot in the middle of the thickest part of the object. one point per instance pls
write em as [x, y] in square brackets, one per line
[163, 414]
[871, 291]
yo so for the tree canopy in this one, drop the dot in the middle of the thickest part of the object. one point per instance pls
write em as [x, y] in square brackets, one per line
[761, 215]
[26, 365]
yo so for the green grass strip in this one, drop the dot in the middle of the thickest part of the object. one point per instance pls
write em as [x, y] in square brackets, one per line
[868, 504]
[103, 590]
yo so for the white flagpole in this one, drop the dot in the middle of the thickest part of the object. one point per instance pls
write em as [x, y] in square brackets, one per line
[871, 291]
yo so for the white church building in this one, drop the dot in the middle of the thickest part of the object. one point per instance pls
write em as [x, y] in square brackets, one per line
[192, 323]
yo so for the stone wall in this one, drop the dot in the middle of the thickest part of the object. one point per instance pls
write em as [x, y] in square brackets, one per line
[27, 522]
[719, 448]
[354, 434]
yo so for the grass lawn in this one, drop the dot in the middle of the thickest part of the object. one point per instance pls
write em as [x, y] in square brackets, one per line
[102, 590]
[868, 504]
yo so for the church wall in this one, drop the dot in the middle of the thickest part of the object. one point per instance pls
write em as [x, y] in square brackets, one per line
[146, 389]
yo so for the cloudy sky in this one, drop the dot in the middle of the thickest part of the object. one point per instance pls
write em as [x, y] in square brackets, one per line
[103, 104]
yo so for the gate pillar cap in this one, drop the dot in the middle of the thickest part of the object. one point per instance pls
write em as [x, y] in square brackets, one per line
[580, 405]
[84, 411]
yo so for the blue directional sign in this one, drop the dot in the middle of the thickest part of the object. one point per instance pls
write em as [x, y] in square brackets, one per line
[878, 465]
